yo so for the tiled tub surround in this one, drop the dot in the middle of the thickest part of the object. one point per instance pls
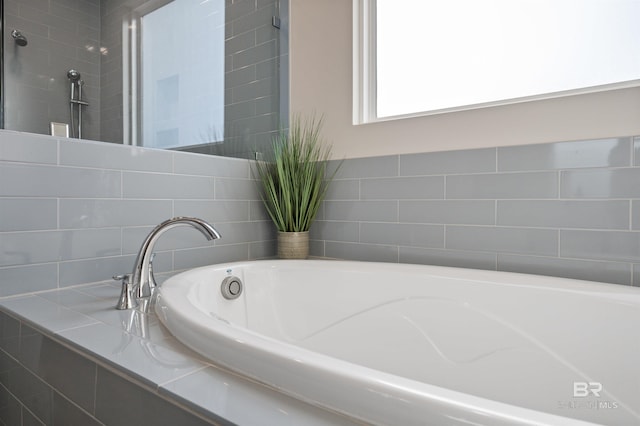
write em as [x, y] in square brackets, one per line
[75, 212]
[67, 357]
[569, 209]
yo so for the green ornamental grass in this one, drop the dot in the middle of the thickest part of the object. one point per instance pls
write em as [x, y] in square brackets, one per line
[294, 184]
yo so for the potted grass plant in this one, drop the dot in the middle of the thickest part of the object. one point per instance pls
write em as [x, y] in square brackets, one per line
[294, 183]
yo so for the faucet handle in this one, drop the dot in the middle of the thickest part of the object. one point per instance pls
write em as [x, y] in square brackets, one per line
[126, 301]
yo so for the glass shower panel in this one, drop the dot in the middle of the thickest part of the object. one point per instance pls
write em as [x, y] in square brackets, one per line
[182, 69]
[215, 81]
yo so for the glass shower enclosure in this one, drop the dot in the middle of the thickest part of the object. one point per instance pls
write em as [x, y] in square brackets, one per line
[207, 76]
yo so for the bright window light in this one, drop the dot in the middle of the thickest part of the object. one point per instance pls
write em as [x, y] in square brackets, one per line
[430, 56]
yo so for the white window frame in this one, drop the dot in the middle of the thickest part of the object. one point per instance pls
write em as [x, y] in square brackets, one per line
[365, 81]
[364, 62]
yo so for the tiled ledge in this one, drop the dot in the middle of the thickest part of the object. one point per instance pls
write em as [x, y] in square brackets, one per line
[137, 347]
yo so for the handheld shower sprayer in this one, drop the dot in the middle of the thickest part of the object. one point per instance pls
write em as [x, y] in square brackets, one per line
[73, 75]
[75, 101]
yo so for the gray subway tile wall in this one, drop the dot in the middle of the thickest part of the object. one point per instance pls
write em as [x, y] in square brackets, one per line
[403, 234]
[61, 35]
[361, 211]
[156, 410]
[427, 187]
[542, 242]
[619, 246]
[78, 272]
[66, 221]
[467, 212]
[44, 382]
[114, 157]
[29, 148]
[166, 186]
[102, 213]
[567, 209]
[336, 231]
[635, 215]
[386, 166]
[344, 189]
[28, 279]
[73, 212]
[613, 272]
[360, 251]
[586, 214]
[25, 214]
[613, 152]
[35, 180]
[215, 211]
[601, 183]
[52, 362]
[453, 258]
[502, 185]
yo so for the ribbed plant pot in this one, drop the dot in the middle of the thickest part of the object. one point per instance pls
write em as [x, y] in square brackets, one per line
[293, 245]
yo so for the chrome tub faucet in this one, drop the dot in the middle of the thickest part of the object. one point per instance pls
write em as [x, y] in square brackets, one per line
[141, 283]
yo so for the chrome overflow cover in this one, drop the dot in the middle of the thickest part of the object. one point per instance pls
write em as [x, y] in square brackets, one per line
[231, 287]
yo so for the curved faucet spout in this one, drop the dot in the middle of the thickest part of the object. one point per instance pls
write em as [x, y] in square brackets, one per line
[141, 278]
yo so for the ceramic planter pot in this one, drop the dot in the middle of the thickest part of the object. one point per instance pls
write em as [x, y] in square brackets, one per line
[293, 245]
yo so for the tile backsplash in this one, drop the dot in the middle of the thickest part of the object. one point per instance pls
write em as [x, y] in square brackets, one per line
[566, 209]
[73, 212]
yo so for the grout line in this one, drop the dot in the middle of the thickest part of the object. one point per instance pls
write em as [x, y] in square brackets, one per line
[206, 364]
[95, 389]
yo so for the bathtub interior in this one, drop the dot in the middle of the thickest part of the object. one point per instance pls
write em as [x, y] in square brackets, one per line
[501, 337]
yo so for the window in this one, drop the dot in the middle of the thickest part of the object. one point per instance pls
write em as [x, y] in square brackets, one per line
[416, 57]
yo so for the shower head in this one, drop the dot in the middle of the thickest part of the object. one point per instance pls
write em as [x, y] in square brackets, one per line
[19, 38]
[73, 75]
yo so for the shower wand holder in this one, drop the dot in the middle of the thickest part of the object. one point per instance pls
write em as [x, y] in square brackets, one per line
[76, 103]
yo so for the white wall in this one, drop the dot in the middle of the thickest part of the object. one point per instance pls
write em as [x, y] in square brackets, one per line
[321, 81]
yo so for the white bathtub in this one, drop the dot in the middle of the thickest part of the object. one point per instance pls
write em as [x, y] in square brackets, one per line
[414, 345]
